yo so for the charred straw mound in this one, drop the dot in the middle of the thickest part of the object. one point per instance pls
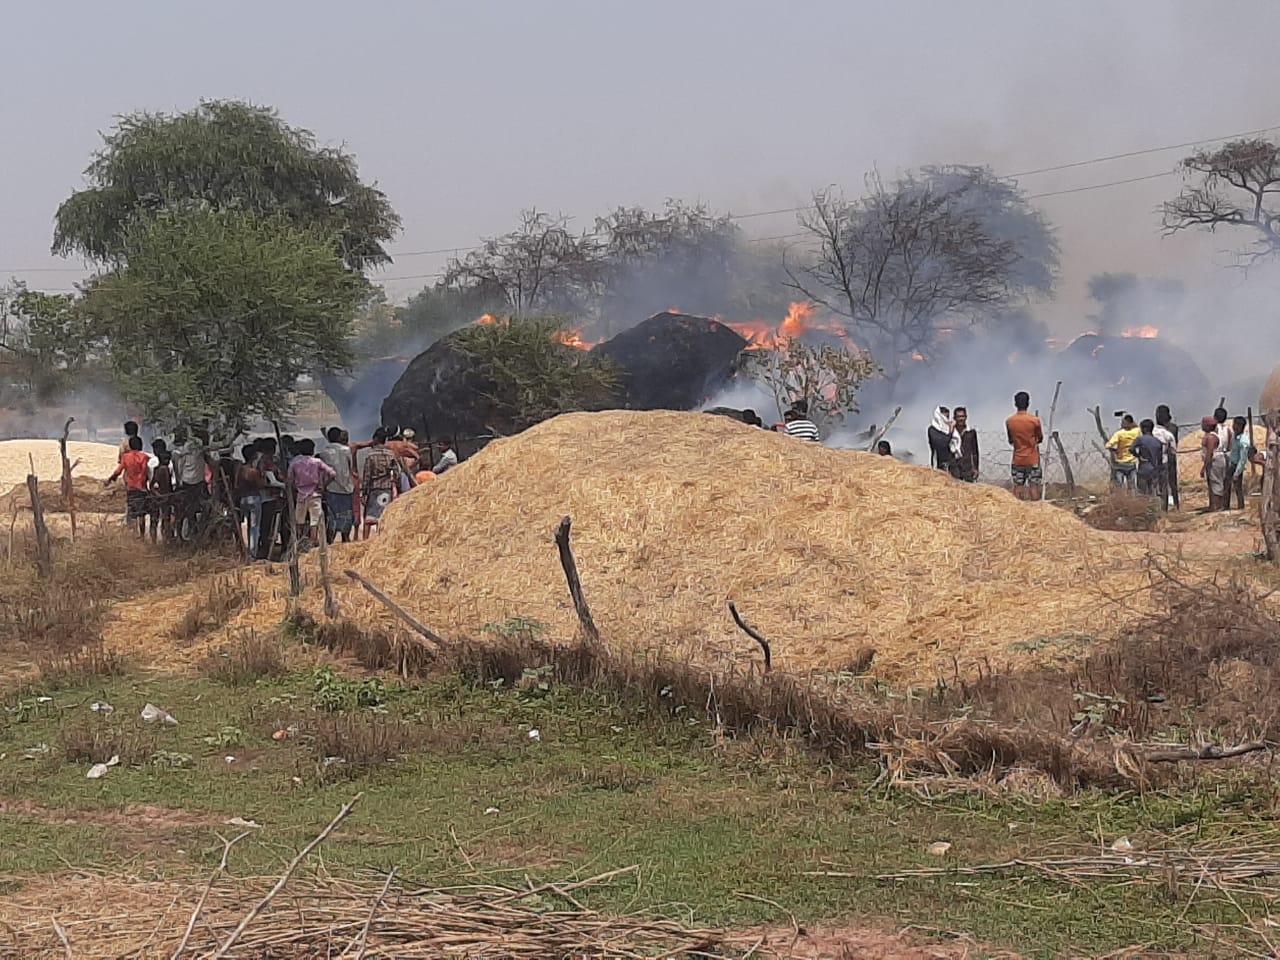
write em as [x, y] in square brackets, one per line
[672, 361]
[827, 552]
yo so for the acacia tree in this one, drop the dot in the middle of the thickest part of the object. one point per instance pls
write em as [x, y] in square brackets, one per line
[1235, 185]
[541, 266]
[222, 155]
[214, 315]
[947, 248]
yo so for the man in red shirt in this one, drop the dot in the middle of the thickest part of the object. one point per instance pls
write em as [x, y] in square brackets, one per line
[136, 467]
[1026, 435]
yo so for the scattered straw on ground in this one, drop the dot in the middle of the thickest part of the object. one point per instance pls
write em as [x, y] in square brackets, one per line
[92, 918]
[825, 551]
[96, 460]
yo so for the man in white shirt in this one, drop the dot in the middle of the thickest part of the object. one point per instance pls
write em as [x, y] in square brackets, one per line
[338, 492]
[800, 426]
[448, 458]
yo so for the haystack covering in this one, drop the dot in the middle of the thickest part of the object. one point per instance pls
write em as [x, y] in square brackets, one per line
[824, 551]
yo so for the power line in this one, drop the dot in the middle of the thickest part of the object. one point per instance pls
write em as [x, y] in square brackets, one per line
[808, 206]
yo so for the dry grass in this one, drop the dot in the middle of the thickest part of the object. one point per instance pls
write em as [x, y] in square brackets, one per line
[251, 656]
[373, 647]
[78, 667]
[1124, 511]
[826, 551]
[224, 597]
[97, 740]
[347, 746]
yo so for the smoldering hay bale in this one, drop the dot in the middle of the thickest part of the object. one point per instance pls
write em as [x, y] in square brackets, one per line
[672, 361]
[824, 551]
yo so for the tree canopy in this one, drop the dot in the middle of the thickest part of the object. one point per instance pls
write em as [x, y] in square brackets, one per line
[222, 155]
[945, 248]
[216, 314]
[43, 340]
[1234, 185]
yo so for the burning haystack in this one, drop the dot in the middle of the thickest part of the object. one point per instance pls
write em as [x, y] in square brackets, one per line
[672, 361]
[1140, 368]
[674, 514]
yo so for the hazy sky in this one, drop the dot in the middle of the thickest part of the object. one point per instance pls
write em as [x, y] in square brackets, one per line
[465, 112]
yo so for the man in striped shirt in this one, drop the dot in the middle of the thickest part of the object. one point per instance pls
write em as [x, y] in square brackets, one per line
[799, 425]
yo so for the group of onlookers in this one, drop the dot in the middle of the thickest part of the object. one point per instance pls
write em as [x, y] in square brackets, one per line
[274, 489]
[1144, 457]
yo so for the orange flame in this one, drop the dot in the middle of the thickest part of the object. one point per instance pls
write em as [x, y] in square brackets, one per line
[486, 320]
[573, 338]
[1145, 332]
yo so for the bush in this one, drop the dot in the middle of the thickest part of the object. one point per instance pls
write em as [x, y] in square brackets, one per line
[1124, 511]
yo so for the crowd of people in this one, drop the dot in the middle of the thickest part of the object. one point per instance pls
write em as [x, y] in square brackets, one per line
[1143, 455]
[272, 489]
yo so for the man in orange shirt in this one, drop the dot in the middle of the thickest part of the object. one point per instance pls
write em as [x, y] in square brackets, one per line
[136, 467]
[1026, 436]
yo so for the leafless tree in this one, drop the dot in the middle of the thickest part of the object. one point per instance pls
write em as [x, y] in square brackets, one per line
[539, 267]
[914, 257]
[1233, 185]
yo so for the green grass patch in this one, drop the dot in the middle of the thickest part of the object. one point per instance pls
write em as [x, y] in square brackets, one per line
[456, 789]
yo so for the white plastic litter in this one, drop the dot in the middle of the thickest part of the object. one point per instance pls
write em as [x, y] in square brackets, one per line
[535, 735]
[490, 811]
[939, 849]
[99, 770]
[151, 713]
[242, 822]
[101, 706]
[1123, 845]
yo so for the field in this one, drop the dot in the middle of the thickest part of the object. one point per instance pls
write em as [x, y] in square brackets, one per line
[539, 789]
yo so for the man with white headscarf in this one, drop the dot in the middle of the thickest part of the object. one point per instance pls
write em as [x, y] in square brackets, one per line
[943, 441]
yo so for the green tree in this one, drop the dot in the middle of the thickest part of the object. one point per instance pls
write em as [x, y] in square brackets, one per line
[530, 374]
[43, 336]
[222, 155]
[214, 315]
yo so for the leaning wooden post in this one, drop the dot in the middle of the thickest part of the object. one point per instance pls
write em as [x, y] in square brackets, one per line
[1269, 513]
[68, 490]
[1066, 463]
[44, 552]
[330, 604]
[575, 584]
[1048, 434]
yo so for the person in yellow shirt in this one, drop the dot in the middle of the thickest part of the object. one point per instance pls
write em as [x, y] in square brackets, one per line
[1124, 463]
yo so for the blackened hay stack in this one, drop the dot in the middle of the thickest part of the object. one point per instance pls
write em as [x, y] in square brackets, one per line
[672, 361]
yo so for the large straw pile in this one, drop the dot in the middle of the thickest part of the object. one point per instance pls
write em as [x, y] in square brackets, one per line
[824, 551]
